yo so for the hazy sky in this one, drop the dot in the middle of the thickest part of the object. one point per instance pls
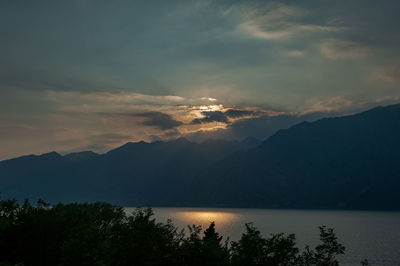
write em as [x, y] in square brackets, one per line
[79, 75]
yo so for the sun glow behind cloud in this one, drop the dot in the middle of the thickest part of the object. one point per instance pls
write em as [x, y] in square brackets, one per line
[135, 116]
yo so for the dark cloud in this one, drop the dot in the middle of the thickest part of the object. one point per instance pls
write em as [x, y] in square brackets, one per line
[159, 120]
[211, 116]
[223, 117]
[236, 113]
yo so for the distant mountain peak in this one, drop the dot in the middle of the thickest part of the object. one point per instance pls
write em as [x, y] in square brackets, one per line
[129, 146]
[52, 154]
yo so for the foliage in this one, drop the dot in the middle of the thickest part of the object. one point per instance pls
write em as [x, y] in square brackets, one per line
[103, 234]
[325, 253]
[253, 249]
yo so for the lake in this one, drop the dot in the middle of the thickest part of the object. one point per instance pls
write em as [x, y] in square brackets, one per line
[367, 235]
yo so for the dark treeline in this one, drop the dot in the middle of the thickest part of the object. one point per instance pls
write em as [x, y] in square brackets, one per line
[103, 234]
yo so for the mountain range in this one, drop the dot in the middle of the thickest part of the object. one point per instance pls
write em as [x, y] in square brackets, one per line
[348, 162]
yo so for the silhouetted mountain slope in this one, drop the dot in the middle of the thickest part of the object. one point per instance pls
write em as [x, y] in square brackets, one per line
[135, 173]
[252, 142]
[343, 162]
[81, 156]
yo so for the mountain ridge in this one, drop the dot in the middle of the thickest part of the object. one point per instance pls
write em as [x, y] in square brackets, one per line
[311, 165]
[348, 162]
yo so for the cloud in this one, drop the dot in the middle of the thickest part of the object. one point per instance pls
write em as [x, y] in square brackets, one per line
[16, 130]
[390, 75]
[208, 99]
[278, 21]
[258, 31]
[116, 97]
[159, 120]
[64, 91]
[281, 31]
[339, 49]
[110, 138]
[332, 105]
[236, 113]
[226, 116]
[295, 53]
[211, 116]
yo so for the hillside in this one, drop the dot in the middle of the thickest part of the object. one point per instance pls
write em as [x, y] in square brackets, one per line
[343, 162]
[135, 173]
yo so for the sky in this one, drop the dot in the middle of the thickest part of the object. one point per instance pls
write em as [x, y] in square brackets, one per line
[92, 75]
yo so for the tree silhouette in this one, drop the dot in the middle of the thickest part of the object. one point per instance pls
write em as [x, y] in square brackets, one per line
[254, 249]
[103, 234]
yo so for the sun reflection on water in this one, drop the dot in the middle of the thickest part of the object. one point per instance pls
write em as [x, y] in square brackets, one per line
[205, 217]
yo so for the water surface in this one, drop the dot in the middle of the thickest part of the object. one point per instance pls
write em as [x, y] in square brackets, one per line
[367, 235]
